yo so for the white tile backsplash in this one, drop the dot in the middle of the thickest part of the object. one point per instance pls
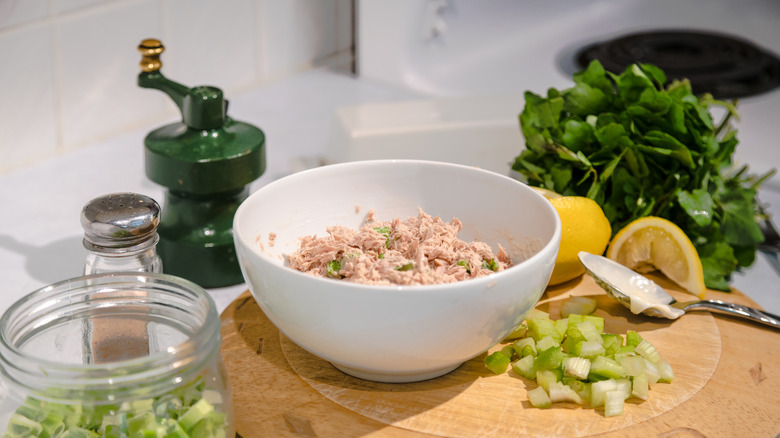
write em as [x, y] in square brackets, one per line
[17, 12]
[27, 110]
[210, 43]
[76, 61]
[98, 69]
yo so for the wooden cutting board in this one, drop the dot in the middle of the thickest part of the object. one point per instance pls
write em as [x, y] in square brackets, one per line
[727, 383]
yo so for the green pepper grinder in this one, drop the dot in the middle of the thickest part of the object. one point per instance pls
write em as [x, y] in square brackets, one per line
[206, 162]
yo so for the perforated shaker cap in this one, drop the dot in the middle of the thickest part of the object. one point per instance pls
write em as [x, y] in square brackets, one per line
[120, 220]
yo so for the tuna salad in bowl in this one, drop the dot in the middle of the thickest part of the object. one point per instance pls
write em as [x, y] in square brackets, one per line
[396, 270]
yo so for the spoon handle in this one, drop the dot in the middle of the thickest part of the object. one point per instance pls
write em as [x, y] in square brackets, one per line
[739, 310]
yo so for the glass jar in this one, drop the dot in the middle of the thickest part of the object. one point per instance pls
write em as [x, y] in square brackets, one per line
[155, 367]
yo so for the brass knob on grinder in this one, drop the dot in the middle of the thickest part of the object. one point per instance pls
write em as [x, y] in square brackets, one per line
[150, 50]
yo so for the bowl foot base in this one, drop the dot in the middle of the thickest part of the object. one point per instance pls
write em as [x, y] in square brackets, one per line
[393, 377]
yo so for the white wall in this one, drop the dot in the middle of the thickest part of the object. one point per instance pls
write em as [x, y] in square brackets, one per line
[68, 68]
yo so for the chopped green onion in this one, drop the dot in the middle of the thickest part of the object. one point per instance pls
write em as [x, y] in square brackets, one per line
[333, 269]
[490, 264]
[405, 267]
[465, 264]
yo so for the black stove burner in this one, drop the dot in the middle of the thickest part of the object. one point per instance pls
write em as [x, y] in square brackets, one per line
[723, 65]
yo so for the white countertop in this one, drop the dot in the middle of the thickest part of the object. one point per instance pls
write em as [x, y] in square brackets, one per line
[40, 234]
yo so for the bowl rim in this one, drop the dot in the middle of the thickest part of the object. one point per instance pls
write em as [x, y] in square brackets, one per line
[469, 283]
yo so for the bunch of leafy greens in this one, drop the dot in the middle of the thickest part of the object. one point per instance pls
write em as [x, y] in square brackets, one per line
[640, 147]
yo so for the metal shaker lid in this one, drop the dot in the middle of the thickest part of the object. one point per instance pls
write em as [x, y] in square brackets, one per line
[119, 220]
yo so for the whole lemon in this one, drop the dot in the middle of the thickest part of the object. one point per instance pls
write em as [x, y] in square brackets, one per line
[584, 227]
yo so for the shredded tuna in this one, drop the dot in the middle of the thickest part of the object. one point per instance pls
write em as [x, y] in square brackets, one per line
[271, 239]
[416, 251]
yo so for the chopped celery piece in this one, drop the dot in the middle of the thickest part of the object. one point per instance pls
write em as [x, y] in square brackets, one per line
[613, 403]
[559, 392]
[651, 371]
[581, 388]
[524, 347]
[648, 351]
[640, 387]
[561, 325]
[624, 385]
[537, 314]
[196, 412]
[578, 367]
[633, 338]
[590, 332]
[578, 305]
[632, 365]
[540, 328]
[548, 359]
[497, 362]
[571, 359]
[545, 377]
[589, 349]
[508, 351]
[546, 343]
[612, 343]
[598, 391]
[666, 375]
[525, 367]
[604, 366]
[539, 398]
[519, 332]
[597, 321]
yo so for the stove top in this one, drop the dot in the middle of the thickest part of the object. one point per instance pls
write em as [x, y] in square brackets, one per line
[723, 65]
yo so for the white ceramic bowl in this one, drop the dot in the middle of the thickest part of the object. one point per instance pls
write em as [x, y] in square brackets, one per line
[396, 333]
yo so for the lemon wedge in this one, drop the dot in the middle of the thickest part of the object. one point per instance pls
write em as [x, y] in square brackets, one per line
[653, 243]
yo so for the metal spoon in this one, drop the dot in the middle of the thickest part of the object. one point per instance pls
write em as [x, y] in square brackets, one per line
[642, 295]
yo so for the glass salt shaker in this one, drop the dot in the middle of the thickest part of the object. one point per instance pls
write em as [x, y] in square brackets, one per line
[120, 234]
